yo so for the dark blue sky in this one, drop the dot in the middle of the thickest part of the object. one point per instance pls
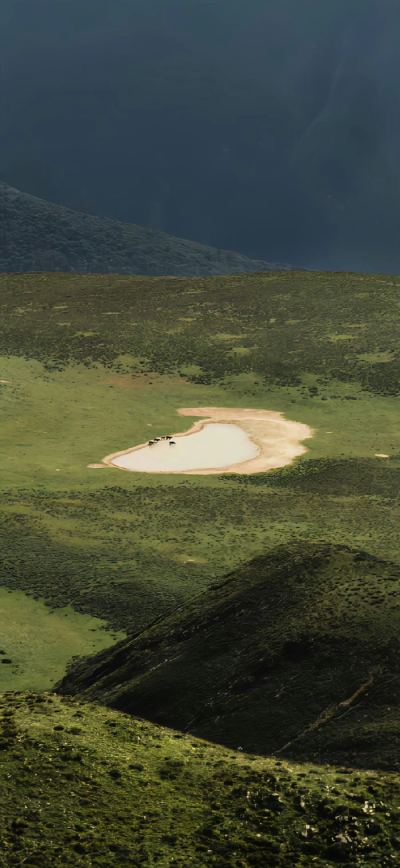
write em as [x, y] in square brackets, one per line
[271, 127]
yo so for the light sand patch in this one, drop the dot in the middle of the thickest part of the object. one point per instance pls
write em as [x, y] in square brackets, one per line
[5, 381]
[96, 466]
[279, 440]
[381, 455]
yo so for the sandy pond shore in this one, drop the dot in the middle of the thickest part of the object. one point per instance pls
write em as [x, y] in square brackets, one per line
[279, 440]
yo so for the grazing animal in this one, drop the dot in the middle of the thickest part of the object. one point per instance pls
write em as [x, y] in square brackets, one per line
[151, 442]
[172, 443]
[168, 437]
[157, 439]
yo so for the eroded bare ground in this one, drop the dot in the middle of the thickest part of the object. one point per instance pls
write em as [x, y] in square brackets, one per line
[278, 439]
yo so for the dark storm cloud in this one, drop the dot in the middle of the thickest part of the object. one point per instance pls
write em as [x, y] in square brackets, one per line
[266, 126]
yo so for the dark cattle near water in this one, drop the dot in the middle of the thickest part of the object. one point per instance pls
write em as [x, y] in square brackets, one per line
[151, 442]
[172, 443]
[168, 437]
[157, 439]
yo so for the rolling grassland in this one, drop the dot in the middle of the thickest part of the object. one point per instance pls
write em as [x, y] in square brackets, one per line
[268, 602]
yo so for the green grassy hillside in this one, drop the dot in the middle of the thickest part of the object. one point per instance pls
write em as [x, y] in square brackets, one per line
[94, 364]
[37, 641]
[295, 653]
[335, 326]
[91, 362]
[85, 786]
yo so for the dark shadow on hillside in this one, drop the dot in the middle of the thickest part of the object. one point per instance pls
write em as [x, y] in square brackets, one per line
[296, 653]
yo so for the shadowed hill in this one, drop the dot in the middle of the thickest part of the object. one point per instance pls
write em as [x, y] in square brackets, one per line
[40, 236]
[297, 653]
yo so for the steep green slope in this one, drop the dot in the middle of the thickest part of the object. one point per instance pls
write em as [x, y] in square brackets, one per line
[40, 236]
[85, 786]
[296, 653]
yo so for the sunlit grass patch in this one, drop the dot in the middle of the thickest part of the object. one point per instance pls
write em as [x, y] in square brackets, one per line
[227, 337]
[376, 358]
[241, 351]
[39, 641]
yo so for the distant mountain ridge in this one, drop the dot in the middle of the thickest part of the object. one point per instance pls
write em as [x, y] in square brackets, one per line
[36, 235]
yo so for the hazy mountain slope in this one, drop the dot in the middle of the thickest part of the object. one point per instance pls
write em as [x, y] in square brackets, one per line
[39, 236]
[273, 126]
[296, 652]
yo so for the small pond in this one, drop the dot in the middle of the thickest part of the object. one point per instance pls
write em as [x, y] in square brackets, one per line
[217, 445]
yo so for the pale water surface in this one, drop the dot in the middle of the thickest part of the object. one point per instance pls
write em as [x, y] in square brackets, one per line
[216, 446]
